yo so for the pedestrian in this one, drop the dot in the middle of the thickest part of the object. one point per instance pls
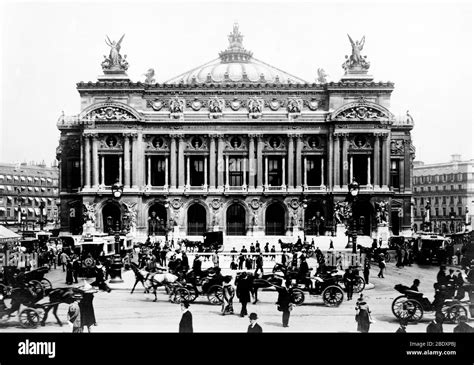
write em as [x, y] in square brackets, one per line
[382, 266]
[459, 282]
[265, 248]
[273, 250]
[436, 325]
[415, 285]
[197, 264]
[366, 270]
[243, 292]
[252, 248]
[284, 303]
[63, 259]
[403, 326]
[349, 279]
[76, 266]
[243, 250]
[99, 278]
[259, 264]
[186, 323]
[241, 261]
[363, 317]
[303, 272]
[248, 263]
[458, 256]
[184, 262]
[254, 327]
[441, 276]
[69, 271]
[215, 259]
[463, 327]
[331, 245]
[233, 251]
[233, 265]
[87, 308]
[74, 314]
[228, 293]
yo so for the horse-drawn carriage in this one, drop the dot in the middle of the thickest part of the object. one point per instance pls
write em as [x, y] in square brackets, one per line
[14, 277]
[412, 304]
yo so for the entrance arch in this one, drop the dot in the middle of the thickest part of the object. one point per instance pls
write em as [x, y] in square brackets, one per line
[314, 220]
[196, 220]
[235, 220]
[275, 220]
[111, 215]
[157, 220]
[363, 213]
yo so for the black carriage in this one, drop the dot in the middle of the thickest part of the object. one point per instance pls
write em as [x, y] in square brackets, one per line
[13, 277]
[208, 284]
[411, 305]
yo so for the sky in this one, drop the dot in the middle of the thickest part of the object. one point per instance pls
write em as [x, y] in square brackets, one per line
[425, 48]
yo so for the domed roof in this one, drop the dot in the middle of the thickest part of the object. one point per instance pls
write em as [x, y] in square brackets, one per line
[235, 64]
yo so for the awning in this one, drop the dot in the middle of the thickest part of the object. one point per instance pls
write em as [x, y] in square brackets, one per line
[43, 179]
[22, 178]
[16, 178]
[9, 188]
[30, 210]
[43, 189]
[2, 177]
[37, 189]
[44, 199]
[29, 178]
[30, 188]
[9, 177]
[50, 200]
[30, 200]
[37, 179]
[37, 200]
[10, 199]
[3, 209]
[37, 211]
[2, 187]
[49, 180]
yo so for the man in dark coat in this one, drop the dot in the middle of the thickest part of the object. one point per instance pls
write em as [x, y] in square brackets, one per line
[284, 302]
[349, 281]
[463, 327]
[259, 264]
[303, 272]
[197, 264]
[186, 323]
[436, 326]
[254, 327]
[241, 261]
[441, 276]
[243, 292]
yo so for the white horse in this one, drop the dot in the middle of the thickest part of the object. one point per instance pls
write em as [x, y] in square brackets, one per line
[154, 280]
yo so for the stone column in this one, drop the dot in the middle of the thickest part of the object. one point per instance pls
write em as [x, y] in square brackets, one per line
[220, 162]
[322, 171]
[188, 172]
[351, 168]
[181, 166]
[227, 172]
[135, 161]
[167, 183]
[387, 146]
[299, 156]
[173, 169]
[345, 162]
[87, 160]
[401, 168]
[337, 161]
[126, 160]
[148, 180]
[212, 162]
[260, 162]
[120, 170]
[305, 172]
[251, 162]
[244, 184]
[266, 172]
[141, 159]
[377, 160]
[102, 170]
[283, 167]
[291, 158]
[81, 163]
[205, 172]
[385, 161]
[369, 180]
[95, 161]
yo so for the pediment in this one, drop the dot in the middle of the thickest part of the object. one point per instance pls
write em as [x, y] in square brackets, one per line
[110, 112]
[362, 111]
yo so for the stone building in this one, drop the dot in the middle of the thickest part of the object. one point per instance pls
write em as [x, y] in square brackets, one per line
[24, 189]
[235, 145]
[443, 195]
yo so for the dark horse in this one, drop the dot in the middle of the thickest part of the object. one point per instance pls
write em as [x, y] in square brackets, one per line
[262, 281]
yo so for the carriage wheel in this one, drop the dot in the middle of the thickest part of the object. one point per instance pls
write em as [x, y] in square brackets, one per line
[455, 312]
[46, 284]
[36, 287]
[179, 295]
[398, 307]
[414, 310]
[387, 257]
[29, 318]
[297, 296]
[359, 284]
[215, 294]
[333, 296]
[192, 293]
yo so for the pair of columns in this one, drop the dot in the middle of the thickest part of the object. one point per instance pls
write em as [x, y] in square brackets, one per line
[131, 158]
[381, 156]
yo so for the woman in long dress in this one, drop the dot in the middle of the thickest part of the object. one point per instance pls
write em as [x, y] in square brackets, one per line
[87, 308]
[228, 296]
[363, 317]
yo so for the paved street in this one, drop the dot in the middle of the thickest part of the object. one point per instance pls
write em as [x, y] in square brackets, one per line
[120, 311]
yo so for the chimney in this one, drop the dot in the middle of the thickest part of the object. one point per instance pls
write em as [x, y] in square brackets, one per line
[456, 157]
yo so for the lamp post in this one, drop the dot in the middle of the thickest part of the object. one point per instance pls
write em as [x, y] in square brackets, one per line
[304, 205]
[352, 197]
[427, 223]
[41, 222]
[117, 264]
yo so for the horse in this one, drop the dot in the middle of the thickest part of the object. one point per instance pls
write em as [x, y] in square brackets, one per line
[154, 280]
[263, 281]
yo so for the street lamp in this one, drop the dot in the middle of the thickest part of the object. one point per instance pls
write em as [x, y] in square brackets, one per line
[427, 222]
[352, 197]
[41, 222]
[117, 264]
[304, 205]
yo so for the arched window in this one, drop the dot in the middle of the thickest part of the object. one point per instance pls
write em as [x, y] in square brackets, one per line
[196, 220]
[157, 220]
[235, 222]
[275, 220]
[112, 217]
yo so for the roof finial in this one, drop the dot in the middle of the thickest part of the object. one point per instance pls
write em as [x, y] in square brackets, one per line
[235, 38]
[235, 52]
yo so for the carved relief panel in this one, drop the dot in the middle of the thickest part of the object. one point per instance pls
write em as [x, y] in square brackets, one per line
[110, 142]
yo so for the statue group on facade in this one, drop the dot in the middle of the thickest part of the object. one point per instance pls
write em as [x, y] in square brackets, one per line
[322, 76]
[341, 212]
[356, 59]
[115, 61]
[381, 212]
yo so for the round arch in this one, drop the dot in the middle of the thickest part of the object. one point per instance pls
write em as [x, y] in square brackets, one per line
[196, 220]
[275, 218]
[235, 220]
[314, 219]
[111, 216]
[363, 213]
[157, 219]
